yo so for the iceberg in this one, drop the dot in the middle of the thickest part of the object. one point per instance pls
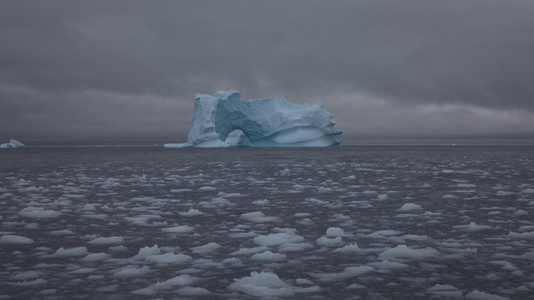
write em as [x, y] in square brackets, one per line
[12, 144]
[226, 120]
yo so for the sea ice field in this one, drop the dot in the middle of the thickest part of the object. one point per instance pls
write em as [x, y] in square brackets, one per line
[245, 223]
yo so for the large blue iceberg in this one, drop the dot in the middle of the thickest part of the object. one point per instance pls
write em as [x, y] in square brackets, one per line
[225, 120]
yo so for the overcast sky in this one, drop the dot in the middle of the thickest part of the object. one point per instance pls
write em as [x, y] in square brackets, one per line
[128, 70]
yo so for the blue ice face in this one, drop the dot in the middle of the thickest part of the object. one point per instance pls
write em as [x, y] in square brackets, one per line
[227, 121]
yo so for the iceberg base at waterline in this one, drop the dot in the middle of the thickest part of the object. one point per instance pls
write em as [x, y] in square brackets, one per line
[225, 120]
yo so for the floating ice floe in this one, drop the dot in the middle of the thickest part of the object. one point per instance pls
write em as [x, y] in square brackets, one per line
[15, 239]
[179, 229]
[207, 248]
[403, 251]
[410, 207]
[258, 217]
[39, 213]
[169, 258]
[478, 295]
[263, 284]
[472, 227]
[445, 290]
[112, 240]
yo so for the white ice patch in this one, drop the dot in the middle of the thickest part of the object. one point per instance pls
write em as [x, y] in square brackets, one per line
[335, 232]
[410, 207]
[15, 239]
[472, 227]
[382, 197]
[207, 188]
[191, 213]
[280, 238]
[314, 201]
[247, 251]
[445, 290]
[179, 229]
[292, 247]
[25, 276]
[71, 252]
[258, 217]
[348, 272]
[38, 213]
[352, 248]
[208, 248]
[523, 235]
[402, 251]
[478, 295]
[329, 242]
[96, 257]
[169, 258]
[387, 265]
[269, 256]
[131, 271]
[261, 202]
[219, 201]
[112, 240]
[264, 284]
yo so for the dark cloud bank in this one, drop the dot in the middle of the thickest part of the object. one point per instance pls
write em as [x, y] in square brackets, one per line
[128, 70]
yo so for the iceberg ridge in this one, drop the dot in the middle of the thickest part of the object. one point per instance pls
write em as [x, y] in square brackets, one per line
[225, 120]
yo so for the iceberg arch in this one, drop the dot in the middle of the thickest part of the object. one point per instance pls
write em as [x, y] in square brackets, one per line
[225, 120]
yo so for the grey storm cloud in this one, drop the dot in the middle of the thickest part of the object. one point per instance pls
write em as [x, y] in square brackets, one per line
[130, 68]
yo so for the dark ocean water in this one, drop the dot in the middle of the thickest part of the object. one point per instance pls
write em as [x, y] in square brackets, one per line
[328, 223]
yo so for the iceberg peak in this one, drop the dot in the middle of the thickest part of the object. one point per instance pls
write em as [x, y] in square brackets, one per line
[226, 120]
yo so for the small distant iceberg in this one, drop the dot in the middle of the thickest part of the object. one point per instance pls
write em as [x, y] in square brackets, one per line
[226, 120]
[12, 144]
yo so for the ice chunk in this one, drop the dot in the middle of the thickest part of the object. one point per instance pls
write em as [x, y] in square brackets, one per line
[208, 248]
[445, 290]
[329, 242]
[348, 272]
[112, 240]
[12, 144]
[276, 239]
[410, 207]
[225, 120]
[472, 227]
[268, 256]
[179, 229]
[146, 251]
[169, 258]
[264, 284]
[191, 213]
[39, 213]
[335, 232]
[71, 252]
[349, 248]
[523, 235]
[181, 280]
[478, 295]
[193, 291]
[258, 217]
[402, 251]
[131, 271]
[15, 239]
[96, 257]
